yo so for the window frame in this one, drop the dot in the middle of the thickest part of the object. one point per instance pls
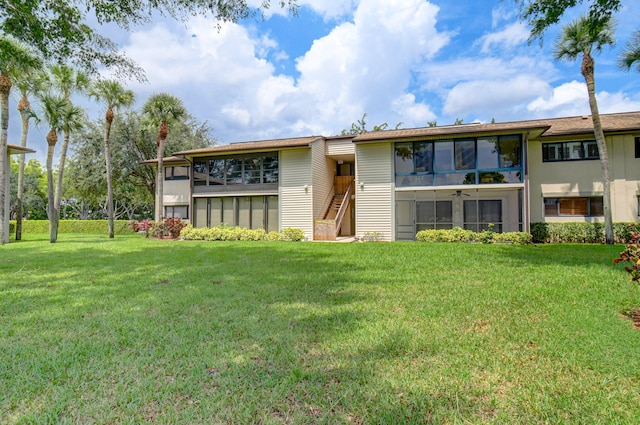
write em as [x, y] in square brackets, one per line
[590, 200]
[564, 153]
[235, 170]
[455, 169]
[172, 176]
[173, 207]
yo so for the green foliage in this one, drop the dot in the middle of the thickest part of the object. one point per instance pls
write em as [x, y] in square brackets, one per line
[224, 232]
[293, 234]
[372, 236]
[75, 226]
[458, 234]
[574, 232]
[631, 255]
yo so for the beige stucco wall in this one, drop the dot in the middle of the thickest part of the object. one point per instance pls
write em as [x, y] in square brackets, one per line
[583, 178]
[374, 189]
[176, 192]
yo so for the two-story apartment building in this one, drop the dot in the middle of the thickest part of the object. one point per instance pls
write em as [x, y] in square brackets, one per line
[397, 182]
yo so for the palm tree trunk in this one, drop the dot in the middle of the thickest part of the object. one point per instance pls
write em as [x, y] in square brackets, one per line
[160, 180]
[58, 193]
[587, 70]
[5, 88]
[51, 211]
[24, 116]
[107, 157]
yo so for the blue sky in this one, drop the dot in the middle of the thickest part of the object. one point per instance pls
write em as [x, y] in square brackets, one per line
[409, 61]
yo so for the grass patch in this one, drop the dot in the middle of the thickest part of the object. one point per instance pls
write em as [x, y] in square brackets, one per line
[133, 330]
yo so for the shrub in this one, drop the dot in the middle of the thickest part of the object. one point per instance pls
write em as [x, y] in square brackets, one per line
[372, 237]
[293, 234]
[140, 226]
[174, 226]
[76, 226]
[224, 232]
[456, 234]
[573, 232]
[631, 255]
[461, 235]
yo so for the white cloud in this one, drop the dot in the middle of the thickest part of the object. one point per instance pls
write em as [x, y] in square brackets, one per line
[493, 98]
[571, 99]
[511, 36]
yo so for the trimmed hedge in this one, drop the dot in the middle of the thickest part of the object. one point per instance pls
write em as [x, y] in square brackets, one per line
[74, 226]
[574, 232]
[458, 234]
[226, 233]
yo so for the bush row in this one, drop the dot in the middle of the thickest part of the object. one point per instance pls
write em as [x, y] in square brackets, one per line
[73, 226]
[458, 234]
[227, 233]
[580, 232]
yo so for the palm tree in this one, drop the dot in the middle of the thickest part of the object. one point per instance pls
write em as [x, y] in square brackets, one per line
[115, 96]
[68, 81]
[13, 56]
[583, 37]
[51, 107]
[631, 53]
[28, 82]
[162, 109]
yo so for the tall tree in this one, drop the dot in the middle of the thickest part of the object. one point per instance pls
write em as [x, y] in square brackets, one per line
[161, 110]
[67, 81]
[114, 96]
[60, 30]
[13, 56]
[542, 14]
[51, 111]
[631, 53]
[583, 37]
[28, 81]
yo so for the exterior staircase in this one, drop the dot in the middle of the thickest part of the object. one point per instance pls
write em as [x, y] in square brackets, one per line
[328, 227]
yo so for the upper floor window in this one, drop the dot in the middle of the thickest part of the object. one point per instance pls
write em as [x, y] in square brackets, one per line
[570, 151]
[637, 147]
[249, 169]
[486, 160]
[178, 172]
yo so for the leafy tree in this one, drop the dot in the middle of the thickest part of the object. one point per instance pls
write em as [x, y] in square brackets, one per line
[13, 56]
[34, 198]
[114, 96]
[631, 53]
[541, 14]
[28, 81]
[161, 110]
[360, 127]
[582, 38]
[59, 30]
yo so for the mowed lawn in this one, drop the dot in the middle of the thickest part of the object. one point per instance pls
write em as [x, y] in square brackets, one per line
[125, 331]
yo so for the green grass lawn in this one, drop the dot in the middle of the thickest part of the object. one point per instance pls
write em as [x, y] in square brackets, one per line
[99, 331]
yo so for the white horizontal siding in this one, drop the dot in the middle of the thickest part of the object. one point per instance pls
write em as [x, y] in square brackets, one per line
[374, 189]
[340, 147]
[296, 206]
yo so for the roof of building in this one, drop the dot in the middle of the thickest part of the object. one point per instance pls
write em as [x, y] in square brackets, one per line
[15, 149]
[167, 160]
[262, 145]
[628, 121]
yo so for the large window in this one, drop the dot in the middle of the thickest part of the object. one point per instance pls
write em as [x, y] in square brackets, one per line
[570, 151]
[177, 211]
[252, 212]
[178, 172]
[574, 206]
[487, 160]
[434, 215]
[478, 214]
[236, 170]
